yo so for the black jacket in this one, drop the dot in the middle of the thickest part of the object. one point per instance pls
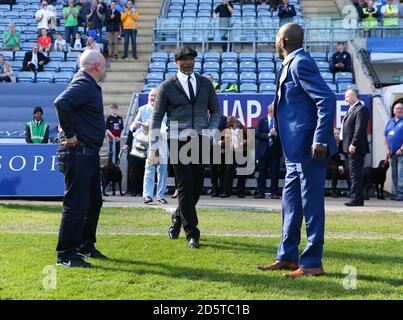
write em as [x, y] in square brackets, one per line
[28, 57]
[282, 14]
[112, 25]
[262, 140]
[355, 125]
[172, 99]
[81, 112]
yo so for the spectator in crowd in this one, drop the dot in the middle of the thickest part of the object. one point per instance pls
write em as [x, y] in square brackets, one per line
[355, 144]
[114, 128]
[96, 16]
[394, 148]
[93, 32]
[92, 45]
[401, 9]
[216, 85]
[337, 165]
[274, 4]
[224, 11]
[142, 123]
[78, 44]
[129, 20]
[37, 130]
[286, 12]
[235, 137]
[230, 87]
[113, 21]
[135, 162]
[217, 170]
[341, 60]
[390, 14]
[46, 18]
[60, 44]
[11, 39]
[45, 42]
[6, 71]
[34, 60]
[120, 5]
[70, 16]
[360, 4]
[84, 7]
[268, 154]
[369, 18]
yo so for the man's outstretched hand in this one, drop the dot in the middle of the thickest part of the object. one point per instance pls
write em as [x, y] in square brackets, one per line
[318, 151]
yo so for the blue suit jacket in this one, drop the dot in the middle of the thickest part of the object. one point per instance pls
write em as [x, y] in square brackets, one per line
[262, 139]
[306, 109]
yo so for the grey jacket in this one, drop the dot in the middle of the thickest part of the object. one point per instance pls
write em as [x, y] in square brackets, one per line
[173, 100]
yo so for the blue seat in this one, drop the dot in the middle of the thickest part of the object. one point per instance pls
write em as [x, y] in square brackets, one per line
[68, 66]
[267, 77]
[8, 55]
[31, 30]
[229, 57]
[229, 66]
[327, 76]
[4, 8]
[248, 88]
[21, 22]
[159, 57]
[266, 66]
[5, 21]
[247, 56]
[189, 14]
[12, 14]
[343, 77]
[343, 86]
[25, 76]
[198, 67]
[16, 65]
[157, 67]
[19, 7]
[269, 88]
[212, 57]
[264, 57]
[247, 66]
[73, 56]
[63, 77]
[19, 55]
[172, 67]
[332, 87]
[319, 56]
[169, 75]
[44, 77]
[174, 14]
[155, 77]
[215, 75]
[247, 77]
[52, 66]
[210, 66]
[56, 56]
[322, 65]
[229, 77]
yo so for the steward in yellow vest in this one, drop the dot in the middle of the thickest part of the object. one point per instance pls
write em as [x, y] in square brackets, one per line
[37, 131]
[390, 14]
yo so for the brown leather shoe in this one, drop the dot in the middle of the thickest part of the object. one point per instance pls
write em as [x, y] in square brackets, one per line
[279, 265]
[305, 272]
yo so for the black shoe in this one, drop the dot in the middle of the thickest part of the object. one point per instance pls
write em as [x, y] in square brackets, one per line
[241, 195]
[73, 263]
[147, 200]
[193, 243]
[354, 204]
[135, 57]
[93, 253]
[224, 195]
[124, 57]
[215, 195]
[175, 228]
[162, 201]
[259, 195]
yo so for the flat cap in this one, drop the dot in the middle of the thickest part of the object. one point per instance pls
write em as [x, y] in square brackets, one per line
[185, 51]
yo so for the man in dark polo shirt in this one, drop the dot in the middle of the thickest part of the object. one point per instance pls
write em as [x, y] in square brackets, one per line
[224, 10]
[81, 115]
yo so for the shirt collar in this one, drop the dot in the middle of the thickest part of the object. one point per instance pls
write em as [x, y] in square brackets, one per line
[355, 104]
[184, 77]
[291, 56]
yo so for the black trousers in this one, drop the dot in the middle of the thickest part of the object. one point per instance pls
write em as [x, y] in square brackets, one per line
[136, 168]
[217, 175]
[269, 160]
[82, 200]
[356, 167]
[230, 173]
[334, 174]
[189, 183]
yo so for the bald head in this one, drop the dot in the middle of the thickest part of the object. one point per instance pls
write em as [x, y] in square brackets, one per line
[93, 62]
[289, 37]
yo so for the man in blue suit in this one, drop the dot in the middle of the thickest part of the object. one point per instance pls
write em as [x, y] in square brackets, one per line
[304, 110]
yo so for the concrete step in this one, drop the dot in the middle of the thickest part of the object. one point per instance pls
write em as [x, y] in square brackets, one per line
[149, 10]
[137, 66]
[324, 11]
[121, 87]
[125, 76]
[120, 99]
[317, 3]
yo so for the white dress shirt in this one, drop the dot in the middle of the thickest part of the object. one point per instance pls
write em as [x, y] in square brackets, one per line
[35, 59]
[183, 79]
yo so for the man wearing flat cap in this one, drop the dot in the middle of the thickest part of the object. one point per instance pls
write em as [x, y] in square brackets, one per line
[37, 130]
[190, 102]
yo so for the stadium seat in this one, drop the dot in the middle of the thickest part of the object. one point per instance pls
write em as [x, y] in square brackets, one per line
[229, 57]
[44, 77]
[159, 57]
[212, 57]
[73, 56]
[319, 56]
[27, 46]
[21, 22]
[157, 67]
[322, 65]
[16, 65]
[68, 66]
[169, 75]
[229, 77]
[172, 67]
[247, 66]
[210, 66]
[31, 30]
[327, 76]
[248, 88]
[229, 66]
[56, 56]
[52, 66]
[343, 86]
[343, 77]
[247, 56]
[333, 87]
[266, 66]
[25, 76]
[155, 77]
[8, 55]
[267, 77]
[247, 77]
[19, 56]
[147, 87]
[63, 77]
[264, 56]
[198, 67]
[269, 88]
[215, 75]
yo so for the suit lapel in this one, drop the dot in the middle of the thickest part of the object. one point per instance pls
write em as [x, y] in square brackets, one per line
[179, 86]
[198, 84]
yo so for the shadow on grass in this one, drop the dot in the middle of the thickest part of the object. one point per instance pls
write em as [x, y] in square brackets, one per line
[238, 246]
[33, 207]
